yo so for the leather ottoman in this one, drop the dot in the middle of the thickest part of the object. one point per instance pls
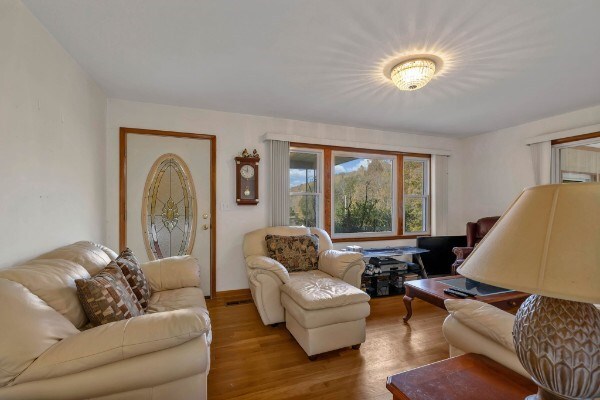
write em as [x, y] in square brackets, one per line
[324, 313]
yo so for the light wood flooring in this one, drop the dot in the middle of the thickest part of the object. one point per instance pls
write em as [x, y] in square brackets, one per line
[253, 361]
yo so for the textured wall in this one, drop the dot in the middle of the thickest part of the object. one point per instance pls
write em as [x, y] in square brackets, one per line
[52, 142]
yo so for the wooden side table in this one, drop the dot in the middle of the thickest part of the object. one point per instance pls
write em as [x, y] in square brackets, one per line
[467, 377]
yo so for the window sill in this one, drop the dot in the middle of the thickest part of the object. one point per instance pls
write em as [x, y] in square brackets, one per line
[376, 238]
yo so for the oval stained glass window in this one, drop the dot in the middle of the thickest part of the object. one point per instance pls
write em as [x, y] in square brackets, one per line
[169, 209]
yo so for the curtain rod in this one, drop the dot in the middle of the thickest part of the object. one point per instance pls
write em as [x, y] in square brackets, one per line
[348, 143]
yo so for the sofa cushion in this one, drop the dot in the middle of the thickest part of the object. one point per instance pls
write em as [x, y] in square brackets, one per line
[130, 266]
[295, 253]
[107, 297]
[30, 328]
[485, 319]
[172, 273]
[89, 255]
[176, 299]
[315, 290]
[54, 282]
[118, 341]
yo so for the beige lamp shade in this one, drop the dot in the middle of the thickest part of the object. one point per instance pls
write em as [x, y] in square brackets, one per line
[547, 243]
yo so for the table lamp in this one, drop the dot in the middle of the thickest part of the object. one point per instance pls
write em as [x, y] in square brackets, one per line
[548, 244]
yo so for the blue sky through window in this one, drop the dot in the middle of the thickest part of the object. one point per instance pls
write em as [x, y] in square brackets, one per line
[351, 166]
[298, 176]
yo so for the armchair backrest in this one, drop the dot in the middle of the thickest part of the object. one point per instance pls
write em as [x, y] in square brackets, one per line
[477, 230]
[255, 244]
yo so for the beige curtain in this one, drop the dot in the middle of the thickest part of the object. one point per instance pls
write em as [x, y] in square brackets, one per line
[280, 183]
[541, 155]
[439, 195]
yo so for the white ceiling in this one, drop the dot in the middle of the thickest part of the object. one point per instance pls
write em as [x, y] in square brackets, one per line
[506, 62]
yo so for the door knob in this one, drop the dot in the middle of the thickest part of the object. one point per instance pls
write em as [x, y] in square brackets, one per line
[205, 216]
[205, 227]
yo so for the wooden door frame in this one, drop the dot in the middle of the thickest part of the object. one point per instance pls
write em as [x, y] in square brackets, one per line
[213, 185]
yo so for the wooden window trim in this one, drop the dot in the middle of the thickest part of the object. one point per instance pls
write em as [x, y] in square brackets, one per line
[327, 154]
[355, 150]
[577, 138]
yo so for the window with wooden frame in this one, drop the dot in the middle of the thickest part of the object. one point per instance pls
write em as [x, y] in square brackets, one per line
[576, 159]
[360, 194]
[306, 200]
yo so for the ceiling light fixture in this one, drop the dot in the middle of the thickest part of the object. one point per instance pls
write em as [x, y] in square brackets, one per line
[413, 74]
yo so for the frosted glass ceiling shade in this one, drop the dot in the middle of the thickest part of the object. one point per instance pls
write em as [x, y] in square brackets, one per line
[547, 243]
[413, 74]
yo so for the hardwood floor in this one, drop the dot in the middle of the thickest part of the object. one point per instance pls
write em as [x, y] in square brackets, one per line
[253, 361]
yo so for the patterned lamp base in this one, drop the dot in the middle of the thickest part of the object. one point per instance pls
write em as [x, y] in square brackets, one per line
[558, 343]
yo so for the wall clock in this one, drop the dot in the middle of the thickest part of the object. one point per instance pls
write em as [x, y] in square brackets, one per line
[246, 191]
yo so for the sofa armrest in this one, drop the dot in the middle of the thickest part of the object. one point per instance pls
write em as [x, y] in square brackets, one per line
[172, 273]
[339, 263]
[118, 341]
[487, 320]
[257, 263]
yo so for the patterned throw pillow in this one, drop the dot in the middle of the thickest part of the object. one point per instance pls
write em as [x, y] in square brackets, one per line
[296, 253]
[106, 297]
[130, 266]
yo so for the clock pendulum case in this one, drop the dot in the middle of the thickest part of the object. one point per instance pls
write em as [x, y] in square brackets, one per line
[246, 180]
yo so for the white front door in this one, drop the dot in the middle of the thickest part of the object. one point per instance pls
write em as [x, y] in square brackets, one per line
[169, 199]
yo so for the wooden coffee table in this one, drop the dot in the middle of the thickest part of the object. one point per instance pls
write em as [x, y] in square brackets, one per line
[432, 291]
[467, 377]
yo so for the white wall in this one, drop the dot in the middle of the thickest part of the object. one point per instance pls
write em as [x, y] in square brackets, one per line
[52, 142]
[234, 133]
[497, 166]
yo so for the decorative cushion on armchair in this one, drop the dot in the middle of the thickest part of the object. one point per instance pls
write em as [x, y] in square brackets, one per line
[295, 253]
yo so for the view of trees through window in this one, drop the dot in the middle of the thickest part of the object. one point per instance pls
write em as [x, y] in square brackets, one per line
[304, 189]
[365, 200]
[415, 196]
[363, 194]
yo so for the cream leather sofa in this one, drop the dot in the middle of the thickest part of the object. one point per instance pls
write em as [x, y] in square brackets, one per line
[323, 309]
[476, 327]
[46, 352]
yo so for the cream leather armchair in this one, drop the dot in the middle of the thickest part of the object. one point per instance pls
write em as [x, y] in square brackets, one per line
[266, 276]
[47, 352]
[476, 327]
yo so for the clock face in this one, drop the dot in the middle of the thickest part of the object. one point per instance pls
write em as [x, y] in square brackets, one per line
[247, 171]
